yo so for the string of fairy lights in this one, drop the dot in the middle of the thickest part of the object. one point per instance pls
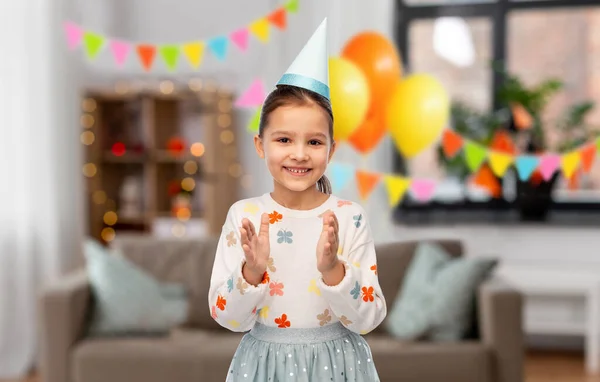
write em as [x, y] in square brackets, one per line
[176, 147]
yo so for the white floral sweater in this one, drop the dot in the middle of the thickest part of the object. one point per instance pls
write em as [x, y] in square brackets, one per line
[292, 294]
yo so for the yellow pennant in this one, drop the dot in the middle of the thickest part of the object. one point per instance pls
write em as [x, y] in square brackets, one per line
[499, 162]
[396, 187]
[569, 163]
[260, 29]
[194, 52]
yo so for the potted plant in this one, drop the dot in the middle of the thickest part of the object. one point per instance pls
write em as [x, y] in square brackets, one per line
[520, 118]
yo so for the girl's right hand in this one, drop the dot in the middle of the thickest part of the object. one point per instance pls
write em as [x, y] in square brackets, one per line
[256, 247]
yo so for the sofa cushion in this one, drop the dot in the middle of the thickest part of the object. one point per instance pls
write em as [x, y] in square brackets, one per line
[407, 361]
[190, 356]
[128, 299]
[186, 261]
[437, 297]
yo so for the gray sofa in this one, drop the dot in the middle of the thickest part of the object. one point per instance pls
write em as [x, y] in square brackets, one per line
[201, 350]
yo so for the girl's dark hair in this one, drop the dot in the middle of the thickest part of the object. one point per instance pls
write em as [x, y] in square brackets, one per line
[285, 95]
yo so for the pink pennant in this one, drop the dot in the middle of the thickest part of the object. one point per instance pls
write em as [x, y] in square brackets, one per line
[74, 34]
[548, 165]
[120, 50]
[240, 38]
[253, 97]
[422, 189]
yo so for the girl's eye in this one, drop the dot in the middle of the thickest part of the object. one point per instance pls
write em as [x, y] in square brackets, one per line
[283, 140]
[314, 142]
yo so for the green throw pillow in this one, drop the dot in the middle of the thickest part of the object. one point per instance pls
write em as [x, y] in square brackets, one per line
[437, 296]
[128, 300]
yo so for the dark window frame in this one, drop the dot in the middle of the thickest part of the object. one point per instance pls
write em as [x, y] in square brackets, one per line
[497, 12]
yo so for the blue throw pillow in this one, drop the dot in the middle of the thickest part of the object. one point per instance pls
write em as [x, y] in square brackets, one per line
[437, 296]
[128, 300]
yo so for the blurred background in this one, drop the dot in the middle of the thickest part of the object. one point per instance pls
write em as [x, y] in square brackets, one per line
[467, 129]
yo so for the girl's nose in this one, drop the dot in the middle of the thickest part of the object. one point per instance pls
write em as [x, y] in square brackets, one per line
[300, 153]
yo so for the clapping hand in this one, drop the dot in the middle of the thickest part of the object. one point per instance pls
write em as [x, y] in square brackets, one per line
[327, 246]
[256, 249]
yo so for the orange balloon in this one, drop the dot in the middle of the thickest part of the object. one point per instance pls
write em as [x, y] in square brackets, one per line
[368, 134]
[379, 60]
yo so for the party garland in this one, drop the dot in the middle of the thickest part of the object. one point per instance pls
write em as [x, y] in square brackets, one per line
[93, 43]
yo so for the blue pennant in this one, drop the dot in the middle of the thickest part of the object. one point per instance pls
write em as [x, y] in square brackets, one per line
[218, 46]
[526, 165]
[340, 174]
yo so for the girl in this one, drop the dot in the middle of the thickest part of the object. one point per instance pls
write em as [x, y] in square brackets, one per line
[296, 267]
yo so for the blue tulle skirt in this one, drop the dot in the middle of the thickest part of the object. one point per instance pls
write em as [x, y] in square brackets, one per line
[328, 353]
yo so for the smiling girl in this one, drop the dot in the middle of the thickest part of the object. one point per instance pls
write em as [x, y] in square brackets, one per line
[296, 267]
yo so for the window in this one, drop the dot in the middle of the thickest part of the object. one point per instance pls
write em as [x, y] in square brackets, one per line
[533, 39]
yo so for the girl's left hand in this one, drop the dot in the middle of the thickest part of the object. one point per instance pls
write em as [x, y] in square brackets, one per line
[327, 247]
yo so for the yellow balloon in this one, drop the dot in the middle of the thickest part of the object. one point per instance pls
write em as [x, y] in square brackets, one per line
[417, 113]
[350, 96]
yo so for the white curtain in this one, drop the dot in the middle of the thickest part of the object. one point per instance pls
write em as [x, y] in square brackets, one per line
[40, 176]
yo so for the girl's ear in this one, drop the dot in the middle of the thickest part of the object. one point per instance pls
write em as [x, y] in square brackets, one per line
[331, 151]
[258, 144]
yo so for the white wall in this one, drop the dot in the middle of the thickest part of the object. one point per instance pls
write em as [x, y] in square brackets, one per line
[184, 20]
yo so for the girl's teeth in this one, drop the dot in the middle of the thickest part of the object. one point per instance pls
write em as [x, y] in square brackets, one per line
[297, 171]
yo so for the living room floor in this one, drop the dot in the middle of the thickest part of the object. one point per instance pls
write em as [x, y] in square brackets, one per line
[539, 367]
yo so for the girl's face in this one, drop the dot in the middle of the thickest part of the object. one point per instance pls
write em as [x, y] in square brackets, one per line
[296, 145]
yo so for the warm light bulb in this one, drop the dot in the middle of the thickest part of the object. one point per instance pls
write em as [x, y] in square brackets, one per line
[227, 137]
[87, 121]
[178, 230]
[110, 218]
[87, 138]
[197, 149]
[224, 120]
[190, 167]
[188, 184]
[99, 197]
[184, 214]
[108, 234]
[225, 105]
[195, 84]
[89, 170]
[167, 87]
[88, 105]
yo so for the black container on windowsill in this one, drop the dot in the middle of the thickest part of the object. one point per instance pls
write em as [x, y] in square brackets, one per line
[534, 199]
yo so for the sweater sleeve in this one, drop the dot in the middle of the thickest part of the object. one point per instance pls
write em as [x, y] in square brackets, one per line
[233, 301]
[357, 300]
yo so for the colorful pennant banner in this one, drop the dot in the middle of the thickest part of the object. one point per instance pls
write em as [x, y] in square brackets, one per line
[547, 164]
[171, 54]
[341, 176]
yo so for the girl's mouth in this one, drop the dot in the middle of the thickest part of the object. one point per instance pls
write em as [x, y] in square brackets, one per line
[297, 171]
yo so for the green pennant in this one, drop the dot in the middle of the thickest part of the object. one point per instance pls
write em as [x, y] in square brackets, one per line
[598, 144]
[93, 43]
[170, 54]
[475, 155]
[255, 121]
[292, 6]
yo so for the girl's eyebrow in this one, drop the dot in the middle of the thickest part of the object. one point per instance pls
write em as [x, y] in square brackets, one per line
[286, 132]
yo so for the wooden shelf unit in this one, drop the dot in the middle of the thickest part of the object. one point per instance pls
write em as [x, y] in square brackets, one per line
[143, 123]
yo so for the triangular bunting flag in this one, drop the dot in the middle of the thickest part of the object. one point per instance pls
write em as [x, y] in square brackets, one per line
[194, 52]
[93, 43]
[340, 175]
[292, 6]
[569, 163]
[255, 121]
[260, 28]
[278, 18]
[146, 54]
[451, 143]
[120, 51]
[548, 165]
[366, 182]
[253, 97]
[526, 165]
[598, 143]
[499, 162]
[588, 154]
[422, 189]
[170, 55]
[396, 188]
[74, 34]
[475, 155]
[218, 46]
[240, 38]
